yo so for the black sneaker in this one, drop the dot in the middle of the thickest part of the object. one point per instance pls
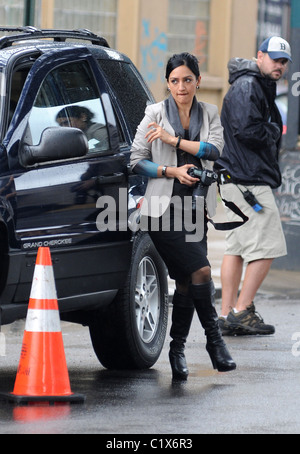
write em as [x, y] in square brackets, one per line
[248, 322]
[226, 328]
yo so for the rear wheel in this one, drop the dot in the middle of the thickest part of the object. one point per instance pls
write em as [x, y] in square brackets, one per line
[130, 333]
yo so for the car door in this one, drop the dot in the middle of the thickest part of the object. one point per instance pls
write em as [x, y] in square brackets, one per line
[56, 203]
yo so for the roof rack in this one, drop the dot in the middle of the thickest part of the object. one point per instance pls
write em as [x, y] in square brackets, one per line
[27, 33]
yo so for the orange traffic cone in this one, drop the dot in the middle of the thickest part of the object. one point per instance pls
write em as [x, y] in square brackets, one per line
[42, 374]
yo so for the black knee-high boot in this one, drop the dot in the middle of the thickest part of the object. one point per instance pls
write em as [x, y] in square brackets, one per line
[182, 316]
[203, 297]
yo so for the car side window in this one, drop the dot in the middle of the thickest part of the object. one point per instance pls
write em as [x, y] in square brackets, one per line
[121, 76]
[69, 97]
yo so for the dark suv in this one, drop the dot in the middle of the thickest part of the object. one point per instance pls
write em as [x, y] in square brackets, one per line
[69, 109]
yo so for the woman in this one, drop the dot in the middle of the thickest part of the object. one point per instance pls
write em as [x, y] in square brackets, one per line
[175, 135]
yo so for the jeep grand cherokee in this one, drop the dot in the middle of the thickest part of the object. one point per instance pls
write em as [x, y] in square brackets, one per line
[69, 109]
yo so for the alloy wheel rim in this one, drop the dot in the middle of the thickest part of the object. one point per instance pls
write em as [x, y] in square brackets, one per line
[147, 302]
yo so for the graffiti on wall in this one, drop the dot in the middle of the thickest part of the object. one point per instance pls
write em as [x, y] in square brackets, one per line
[153, 50]
[288, 195]
[200, 49]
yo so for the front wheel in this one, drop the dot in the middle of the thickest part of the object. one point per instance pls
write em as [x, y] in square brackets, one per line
[130, 333]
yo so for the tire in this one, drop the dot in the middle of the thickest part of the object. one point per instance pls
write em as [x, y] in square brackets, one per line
[130, 333]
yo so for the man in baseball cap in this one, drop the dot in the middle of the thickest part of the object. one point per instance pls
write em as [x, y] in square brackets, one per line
[273, 57]
[276, 47]
[250, 162]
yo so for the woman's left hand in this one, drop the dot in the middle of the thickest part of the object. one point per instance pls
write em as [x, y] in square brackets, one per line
[157, 132]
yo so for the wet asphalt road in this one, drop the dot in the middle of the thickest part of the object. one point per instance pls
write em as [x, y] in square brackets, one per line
[261, 396]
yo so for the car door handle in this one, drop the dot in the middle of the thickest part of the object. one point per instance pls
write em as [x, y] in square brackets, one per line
[113, 178]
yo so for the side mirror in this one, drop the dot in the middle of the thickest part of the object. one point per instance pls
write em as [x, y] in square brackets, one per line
[56, 144]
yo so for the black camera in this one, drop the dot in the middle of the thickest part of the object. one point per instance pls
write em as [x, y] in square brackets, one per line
[206, 177]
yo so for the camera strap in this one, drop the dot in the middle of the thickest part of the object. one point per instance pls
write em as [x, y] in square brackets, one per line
[230, 225]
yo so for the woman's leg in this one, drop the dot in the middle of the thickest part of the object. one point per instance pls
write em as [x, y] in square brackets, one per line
[201, 276]
[202, 292]
[182, 316]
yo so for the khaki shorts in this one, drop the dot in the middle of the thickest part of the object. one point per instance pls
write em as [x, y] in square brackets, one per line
[262, 236]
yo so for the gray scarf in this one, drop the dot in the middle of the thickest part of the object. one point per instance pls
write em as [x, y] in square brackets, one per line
[195, 120]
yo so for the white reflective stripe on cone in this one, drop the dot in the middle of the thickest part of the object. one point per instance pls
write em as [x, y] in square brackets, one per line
[43, 284]
[42, 321]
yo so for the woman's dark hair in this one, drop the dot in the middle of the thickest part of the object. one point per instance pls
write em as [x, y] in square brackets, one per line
[185, 59]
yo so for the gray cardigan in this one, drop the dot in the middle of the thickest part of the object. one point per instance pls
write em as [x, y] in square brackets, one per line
[164, 154]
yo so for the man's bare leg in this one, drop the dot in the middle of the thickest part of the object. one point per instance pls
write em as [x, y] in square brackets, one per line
[255, 274]
[231, 275]
[244, 320]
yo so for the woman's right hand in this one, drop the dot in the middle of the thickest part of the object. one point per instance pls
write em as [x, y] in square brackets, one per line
[181, 174]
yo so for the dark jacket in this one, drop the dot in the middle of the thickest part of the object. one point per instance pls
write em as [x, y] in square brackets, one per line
[252, 126]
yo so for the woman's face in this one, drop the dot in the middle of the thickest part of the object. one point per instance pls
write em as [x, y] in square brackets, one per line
[182, 83]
